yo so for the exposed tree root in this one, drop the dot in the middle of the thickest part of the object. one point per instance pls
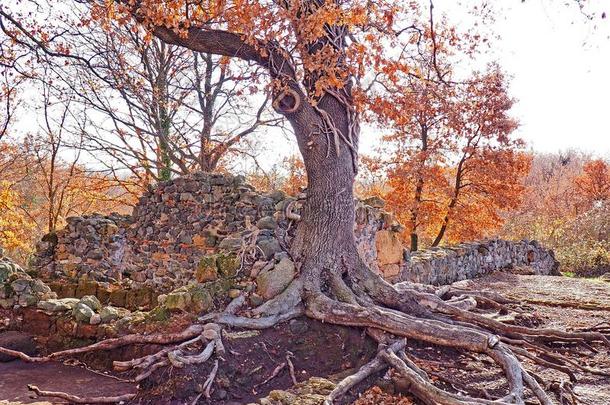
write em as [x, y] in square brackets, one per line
[210, 333]
[210, 380]
[146, 361]
[374, 366]
[442, 316]
[259, 323]
[23, 356]
[80, 400]
[276, 371]
[293, 377]
[417, 312]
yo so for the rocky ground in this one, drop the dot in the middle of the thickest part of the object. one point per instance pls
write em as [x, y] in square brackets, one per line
[324, 353]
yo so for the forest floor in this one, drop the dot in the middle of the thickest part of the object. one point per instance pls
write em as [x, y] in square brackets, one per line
[321, 350]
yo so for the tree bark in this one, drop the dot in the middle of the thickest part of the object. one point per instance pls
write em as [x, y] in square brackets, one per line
[325, 242]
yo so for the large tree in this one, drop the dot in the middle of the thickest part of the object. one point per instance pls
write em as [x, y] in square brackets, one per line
[319, 55]
[452, 162]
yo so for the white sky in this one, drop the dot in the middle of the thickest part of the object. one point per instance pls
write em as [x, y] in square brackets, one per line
[560, 65]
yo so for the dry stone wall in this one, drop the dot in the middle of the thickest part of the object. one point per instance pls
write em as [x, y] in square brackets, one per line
[446, 265]
[17, 288]
[204, 227]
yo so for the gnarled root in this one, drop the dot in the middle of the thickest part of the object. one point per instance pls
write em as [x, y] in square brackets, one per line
[210, 336]
[109, 344]
[359, 298]
[418, 312]
[73, 399]
[374, 366]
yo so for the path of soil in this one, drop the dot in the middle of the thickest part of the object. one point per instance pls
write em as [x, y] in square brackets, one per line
[568, 304]
[16, 375]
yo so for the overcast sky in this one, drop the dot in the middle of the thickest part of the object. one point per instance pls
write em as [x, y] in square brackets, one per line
[560, 64]
[560, 67]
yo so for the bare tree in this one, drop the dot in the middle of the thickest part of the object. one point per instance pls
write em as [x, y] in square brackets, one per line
[9, 87]
[159, 109]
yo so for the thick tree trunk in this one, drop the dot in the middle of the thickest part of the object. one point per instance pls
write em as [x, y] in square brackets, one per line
[325, 243]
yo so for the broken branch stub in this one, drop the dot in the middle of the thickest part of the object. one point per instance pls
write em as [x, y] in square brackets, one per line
[287, 101]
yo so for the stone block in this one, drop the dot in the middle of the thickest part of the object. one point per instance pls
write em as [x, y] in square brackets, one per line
[118, 298]
[206, 269]
[274, 281]
[389, 248]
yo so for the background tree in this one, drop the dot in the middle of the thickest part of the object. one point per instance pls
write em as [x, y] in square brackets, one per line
[44, 180]
[156, 108]
[450, 139]
[9, 87]
[15, 228]
[288, 175]
[594, 182]
[566, 208]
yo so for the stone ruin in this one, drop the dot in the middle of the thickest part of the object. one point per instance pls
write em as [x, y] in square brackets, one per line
[181, 226]
[194, 243]
[446, 265]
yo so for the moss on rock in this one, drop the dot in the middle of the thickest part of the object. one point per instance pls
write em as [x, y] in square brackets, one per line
[311, 392]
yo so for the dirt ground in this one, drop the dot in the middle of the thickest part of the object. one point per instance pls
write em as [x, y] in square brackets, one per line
[329, 351]
[568, 304]
[53, 377]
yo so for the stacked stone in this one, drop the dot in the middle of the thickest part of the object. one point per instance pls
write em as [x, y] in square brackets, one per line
[378, 238]
[179, 221]
[445, 265]
[17, 288]
[90, 247]
[206, 227]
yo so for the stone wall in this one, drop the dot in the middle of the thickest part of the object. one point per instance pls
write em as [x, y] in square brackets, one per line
[91, 246]
[202, 226]
[446, 265]
[17, 288]
[179, 223]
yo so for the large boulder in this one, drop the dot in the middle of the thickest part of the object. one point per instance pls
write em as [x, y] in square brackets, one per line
[272, 282]
[206, 270]
[178, 301]
[311, 392]
[267, 222]
[269, 247]
[92, 302]
[58, 305]
[82, 313]
[211, 267]
[201, 299]
[389, 248]
[228, 265]
[109, 314]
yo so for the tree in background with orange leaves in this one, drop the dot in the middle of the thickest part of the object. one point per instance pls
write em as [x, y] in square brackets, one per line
[453, 162]
[39, 190]
[288, 176]
[43, 183]
[594, 183]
